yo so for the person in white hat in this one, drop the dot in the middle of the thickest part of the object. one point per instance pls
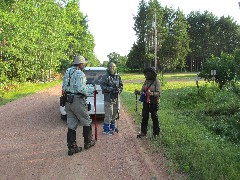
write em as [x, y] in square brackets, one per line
[74, 86]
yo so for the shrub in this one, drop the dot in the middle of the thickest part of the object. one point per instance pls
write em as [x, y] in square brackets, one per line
[225, 70]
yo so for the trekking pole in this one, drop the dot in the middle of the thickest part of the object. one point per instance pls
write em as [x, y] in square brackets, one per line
[150, 127]
[116, 129]
[136, 103]
[95, 115]
[137, 115]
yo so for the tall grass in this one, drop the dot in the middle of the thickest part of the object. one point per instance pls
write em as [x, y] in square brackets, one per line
[186, 134]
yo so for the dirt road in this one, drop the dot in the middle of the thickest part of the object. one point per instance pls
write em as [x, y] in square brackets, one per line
[33, 146]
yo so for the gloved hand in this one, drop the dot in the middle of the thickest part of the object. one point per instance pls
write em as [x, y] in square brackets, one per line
[136, 92]
[115, 90]
[149, 93]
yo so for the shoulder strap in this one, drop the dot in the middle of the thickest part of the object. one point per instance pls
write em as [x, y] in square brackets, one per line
[151, 83]
[69, 77]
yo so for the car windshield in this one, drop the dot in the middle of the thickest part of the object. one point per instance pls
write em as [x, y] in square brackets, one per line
[94, 76]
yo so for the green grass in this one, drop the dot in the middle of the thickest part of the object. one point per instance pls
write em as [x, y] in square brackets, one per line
[194, 148]
[168, 76]
[181, 75]
[187, 122]
[132, 76]
[17, 91]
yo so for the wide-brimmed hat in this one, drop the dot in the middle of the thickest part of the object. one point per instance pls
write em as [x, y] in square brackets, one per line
[150, 69]
[79, 60]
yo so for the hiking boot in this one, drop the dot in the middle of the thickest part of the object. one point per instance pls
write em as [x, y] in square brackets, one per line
[107, 130]
[155, 136]
[110, 133]
[73, 148]
[89, 144]
[112, 126]
[141, 135]
[88, 137]
[71, 142]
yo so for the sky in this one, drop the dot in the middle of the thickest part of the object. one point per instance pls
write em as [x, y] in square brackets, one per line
[111, 21]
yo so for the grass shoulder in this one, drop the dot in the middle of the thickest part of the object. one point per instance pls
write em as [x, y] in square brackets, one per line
[16, 91]
[196, 133]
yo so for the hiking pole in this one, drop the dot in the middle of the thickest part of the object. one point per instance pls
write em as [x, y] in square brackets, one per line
[136, 103]
[95, 115]
[137, 115]
[150, 125]
[116, 129]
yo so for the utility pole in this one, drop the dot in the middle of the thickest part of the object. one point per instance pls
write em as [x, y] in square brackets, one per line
[155, 28]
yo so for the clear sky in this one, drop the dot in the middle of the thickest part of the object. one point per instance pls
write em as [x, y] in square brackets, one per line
[111, 21]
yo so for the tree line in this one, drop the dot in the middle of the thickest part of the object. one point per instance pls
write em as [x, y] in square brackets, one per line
[183, 42]
[38, 39]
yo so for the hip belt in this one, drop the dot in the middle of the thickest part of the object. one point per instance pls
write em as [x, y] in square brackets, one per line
[79, 94]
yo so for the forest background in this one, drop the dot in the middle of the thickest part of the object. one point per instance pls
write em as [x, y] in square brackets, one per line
[200, 121]
[39, 38]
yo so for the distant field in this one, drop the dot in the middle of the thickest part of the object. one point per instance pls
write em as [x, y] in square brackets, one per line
[168, 76]
[180, 76]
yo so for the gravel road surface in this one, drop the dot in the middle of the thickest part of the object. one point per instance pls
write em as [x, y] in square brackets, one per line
[33, 146]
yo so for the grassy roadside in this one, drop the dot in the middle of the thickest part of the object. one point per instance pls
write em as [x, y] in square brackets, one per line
[187, 124]
[187, 130]
[17, 91]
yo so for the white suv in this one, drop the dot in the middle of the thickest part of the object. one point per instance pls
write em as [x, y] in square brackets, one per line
[93, 76]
